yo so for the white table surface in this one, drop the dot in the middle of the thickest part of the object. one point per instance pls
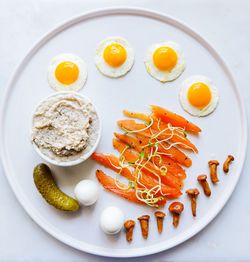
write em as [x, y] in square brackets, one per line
[226, 25]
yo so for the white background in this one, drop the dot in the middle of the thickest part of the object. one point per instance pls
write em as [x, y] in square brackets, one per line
[226, 25]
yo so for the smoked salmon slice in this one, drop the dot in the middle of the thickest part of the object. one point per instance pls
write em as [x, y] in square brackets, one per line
[118, 188]
[112, 162]
[174, 119]
[147, 167]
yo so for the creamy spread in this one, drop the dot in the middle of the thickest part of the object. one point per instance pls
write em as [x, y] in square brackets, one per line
[65, 127]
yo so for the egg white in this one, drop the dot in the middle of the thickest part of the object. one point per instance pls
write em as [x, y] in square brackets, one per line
[111, 220]
[82, 77]
[86, 192]
[164, 75]
[106, 69]
[183, 96]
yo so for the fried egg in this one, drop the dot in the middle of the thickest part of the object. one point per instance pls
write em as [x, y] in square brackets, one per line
[114, 57]
[67, 72]
[198, 95]
[165, 61]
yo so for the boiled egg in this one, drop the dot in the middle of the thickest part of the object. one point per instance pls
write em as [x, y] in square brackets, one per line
[86, 192]
[165, 61]
[67, 72]
[111, 220]
[198, 95]
[114, 57]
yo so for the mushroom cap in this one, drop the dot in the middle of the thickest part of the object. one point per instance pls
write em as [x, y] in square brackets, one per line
[215, 162]
[144, 217]
[176, 207]
[160, 214]
[202, 178]
[230, 157]
[193, 192]
[129, 223]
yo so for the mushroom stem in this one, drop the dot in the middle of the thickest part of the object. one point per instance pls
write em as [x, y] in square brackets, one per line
[159, 219]
[176, 218]
[227, 162]
[202, 179]
[129, 227]
[176, 208]
[193, 206]
[193, 194]
[213, 170]
[144, 225]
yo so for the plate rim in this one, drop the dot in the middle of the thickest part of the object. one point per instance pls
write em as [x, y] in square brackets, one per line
[109, 252]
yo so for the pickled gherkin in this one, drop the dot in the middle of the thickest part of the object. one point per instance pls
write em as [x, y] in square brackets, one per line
[48, 188]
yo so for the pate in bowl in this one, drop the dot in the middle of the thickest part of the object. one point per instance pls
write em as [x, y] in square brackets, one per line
[65, 128]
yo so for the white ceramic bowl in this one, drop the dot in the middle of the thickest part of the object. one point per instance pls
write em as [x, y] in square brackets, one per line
[82, 157]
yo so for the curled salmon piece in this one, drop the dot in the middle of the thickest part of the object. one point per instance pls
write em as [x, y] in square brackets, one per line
[147, 167]
[168, 149]
[161, 160]
[137, 115]
[112, 162]
[131, 141]
[174, 136]
[154, 122]
[166, 191]
[120, 189]
[174, 119]
[170, 165]
[140, 143]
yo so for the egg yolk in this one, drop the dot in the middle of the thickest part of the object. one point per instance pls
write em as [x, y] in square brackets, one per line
[115, 55]
[165, 58]
[67, 72]
[199, 95]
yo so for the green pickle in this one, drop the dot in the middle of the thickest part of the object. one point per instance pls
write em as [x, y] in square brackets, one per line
[47, 187]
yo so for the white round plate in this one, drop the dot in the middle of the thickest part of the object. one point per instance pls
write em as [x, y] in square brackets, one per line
[224, 131]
